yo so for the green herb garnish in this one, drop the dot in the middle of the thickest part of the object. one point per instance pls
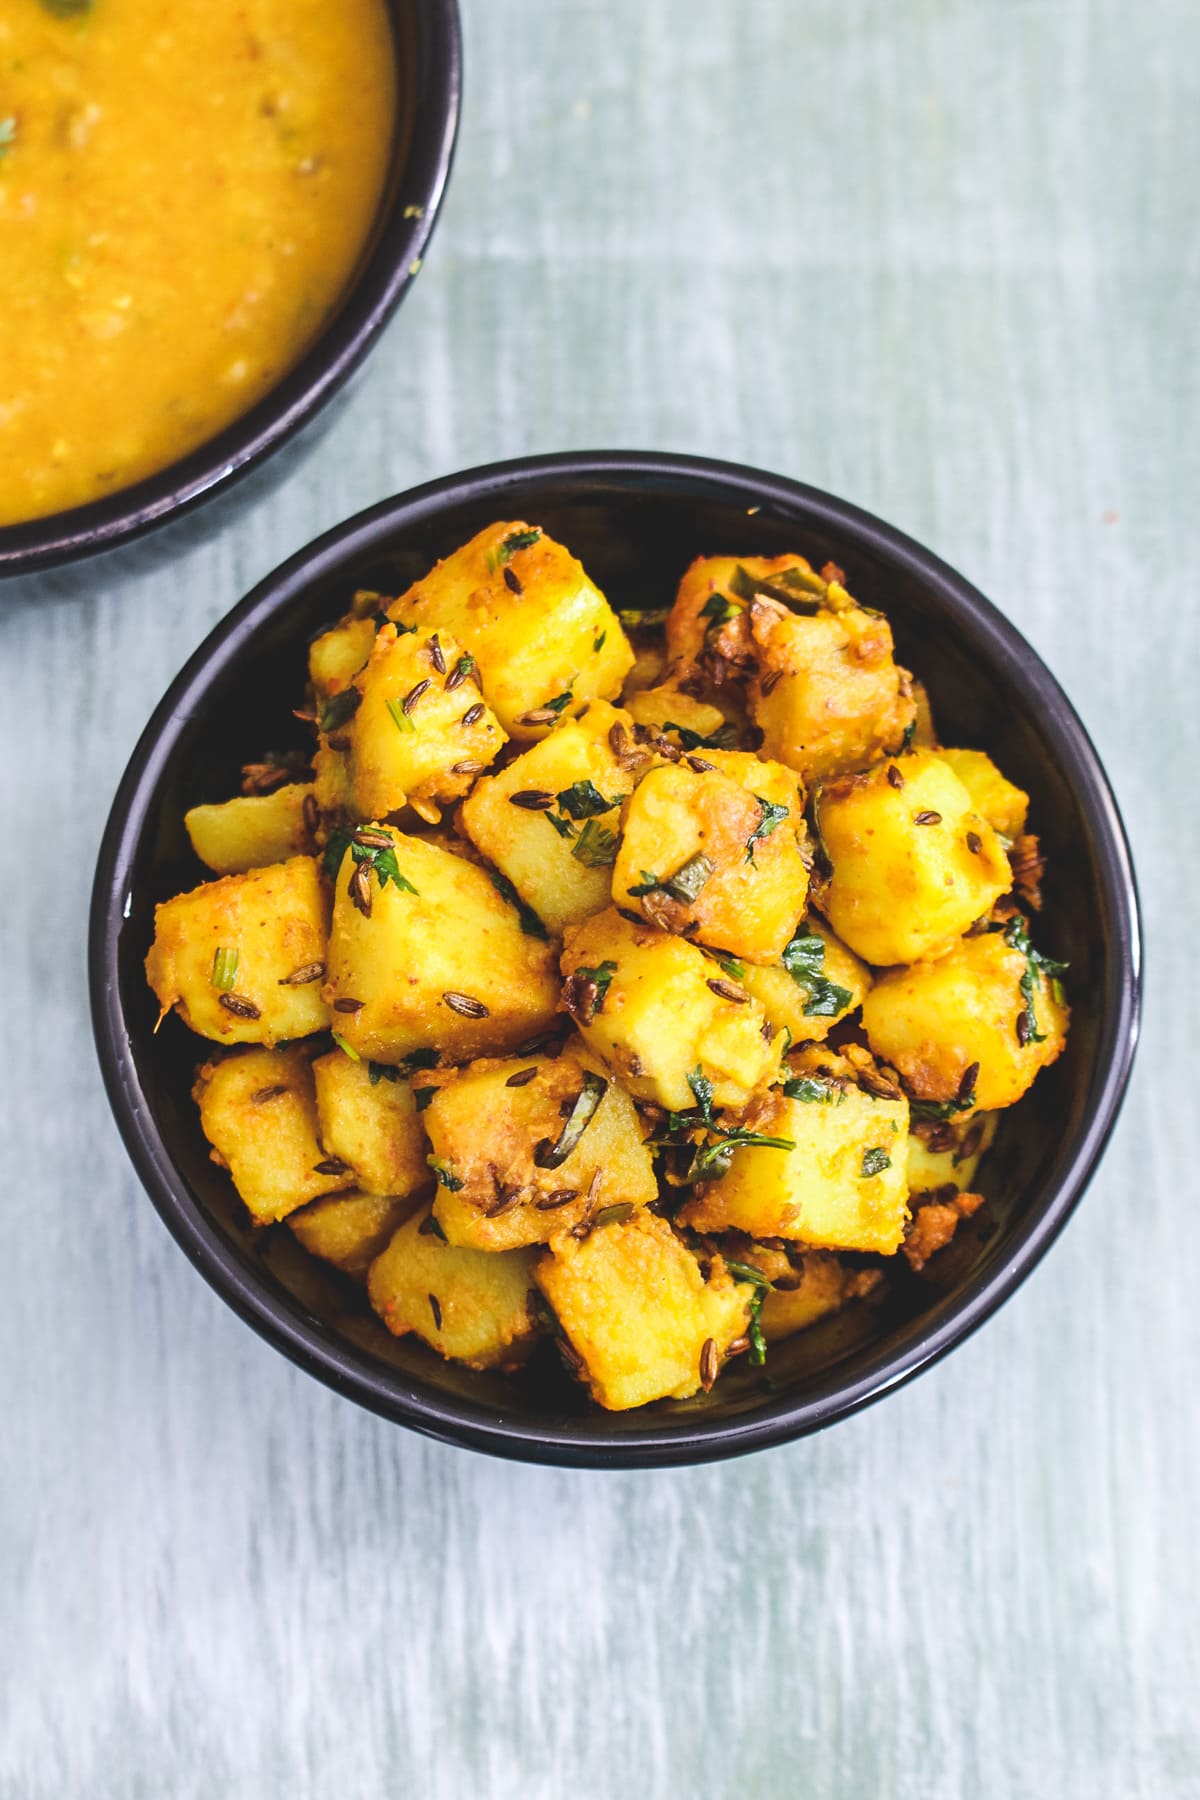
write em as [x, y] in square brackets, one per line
[531, 925]
[558, 703]
[564, 827]
[519, 540]
[596, 846]
[702, 1092]
[601, 974]
[803, 959]
[642, 619]
[224, 969]
[598, 643]
[8, 133]
[341, 1043]
[339, 710]
[552, 1156]
[1016, 936]
[380, 860]
[649, 884]
[937, 1109]
[382, 1072]
[399, 717]
[804, 1087]
[689, 879]
[910, 732]
[67, 9]
[772, 816]
[444, 1175]
[724, 738]
[735, 970]
[583, 800]
[746, 1272]
[422, 1097]
[419, 1059]
[718, 611]
[758, 1343]
[876, 1161]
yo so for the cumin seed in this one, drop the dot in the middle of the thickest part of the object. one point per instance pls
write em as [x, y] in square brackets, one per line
[337, 740]
[769, 684]
[532, 799]
[1022, 1024]
[927, 818]
[469, 767]
[348, 1006]
[306, 714]
[312, 816]
[521, 1077]
[414, 694]
[240, 1007]
[466, 1004]
[698, 766]
[458, 674]
[738, 1347]
[710, 1363]
[435, 1307]
[541, 715]
[473, 714]
[974, 843]
[269, 1093]
[435, 655]
[895, 778]
[560, 1197]
[359, 889]
[728, 991]
[313, 971]
[966, 1087]
[372, 840]
[512, 580]
[331, 1165]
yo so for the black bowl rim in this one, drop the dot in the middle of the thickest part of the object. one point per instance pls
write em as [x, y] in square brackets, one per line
[685, 1438]
[369, 304]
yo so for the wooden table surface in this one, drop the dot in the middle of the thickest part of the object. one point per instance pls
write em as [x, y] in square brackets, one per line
[939, 256]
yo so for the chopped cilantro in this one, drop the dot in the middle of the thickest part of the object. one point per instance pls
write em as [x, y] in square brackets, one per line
[772, 816]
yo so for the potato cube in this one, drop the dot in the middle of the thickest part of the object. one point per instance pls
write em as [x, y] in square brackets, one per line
[637, 1312]
[999, 801]
[499, 1130]
[913, 863]
[559, 862]
[827, 694]
[349, 1230]
[936, 1020]
[826, 1285]
[335, 657]
[259, 1112]
[543, 635]
[438, 961]
[716, 855]
[694, 724]
[369, 1119]
[948, 1154]
[242, 958]
[842, 1187]
[645, 1004]
[816, 985]
[253, 830]
[421, 731]
[709, 623]
[467, 1304]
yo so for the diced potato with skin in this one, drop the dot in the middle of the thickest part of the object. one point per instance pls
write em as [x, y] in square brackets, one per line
[273, 922]
[486, 1134]
[657, 1018]
[531, 851]
[537, 627]
[259, 1112]
[1004, 805]
[668, 706]
[786, 999]
[335, 657]
[913, 863]
[637, 1312]
[373, 1125]
[842, 1187]
[751, 900]
[349, 1230]
[826, 1285]
[954, 1165]
[469, 1305]
[934, 1020]
[689, 632]
[253, 830]
[432, 753]
[454, 936]
[827, 695]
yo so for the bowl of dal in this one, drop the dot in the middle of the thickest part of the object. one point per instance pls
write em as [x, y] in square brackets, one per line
[209, 215]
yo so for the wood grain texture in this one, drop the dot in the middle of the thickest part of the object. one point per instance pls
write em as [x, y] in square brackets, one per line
[939, 256]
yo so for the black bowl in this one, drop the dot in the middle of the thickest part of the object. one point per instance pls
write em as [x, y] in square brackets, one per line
[428, 46]
[636, 521]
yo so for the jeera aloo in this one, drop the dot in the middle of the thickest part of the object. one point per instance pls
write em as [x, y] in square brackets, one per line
[638, 997]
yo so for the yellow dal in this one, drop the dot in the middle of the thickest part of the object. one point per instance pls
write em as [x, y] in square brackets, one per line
[185, 187]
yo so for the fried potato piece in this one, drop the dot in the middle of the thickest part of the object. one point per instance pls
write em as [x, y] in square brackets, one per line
[717, 855]
[707, 627]
[825, 1286]
[560, 863]
[690, 721]
[253, 830]
[421, 731]
[258, 1111]
[499, 1129]
[335, 657]
[228, 954]
[368, 1117]
[349, 1230]
[998, 800]
[842, 1186]
[441, 961]
[913, 863]
[469, 1305]
[936, 1020]
[816, 985]
[637, 1312]
[543, 635]
[948, 1154]
[645, 1004]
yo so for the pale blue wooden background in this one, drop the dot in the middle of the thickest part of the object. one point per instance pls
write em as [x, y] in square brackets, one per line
[940, 256]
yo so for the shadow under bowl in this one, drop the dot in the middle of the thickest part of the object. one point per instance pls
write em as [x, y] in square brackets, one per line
[428, 49]
[636, 521]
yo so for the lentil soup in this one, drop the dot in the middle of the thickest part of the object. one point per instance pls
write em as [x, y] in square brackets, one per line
[185, 190]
